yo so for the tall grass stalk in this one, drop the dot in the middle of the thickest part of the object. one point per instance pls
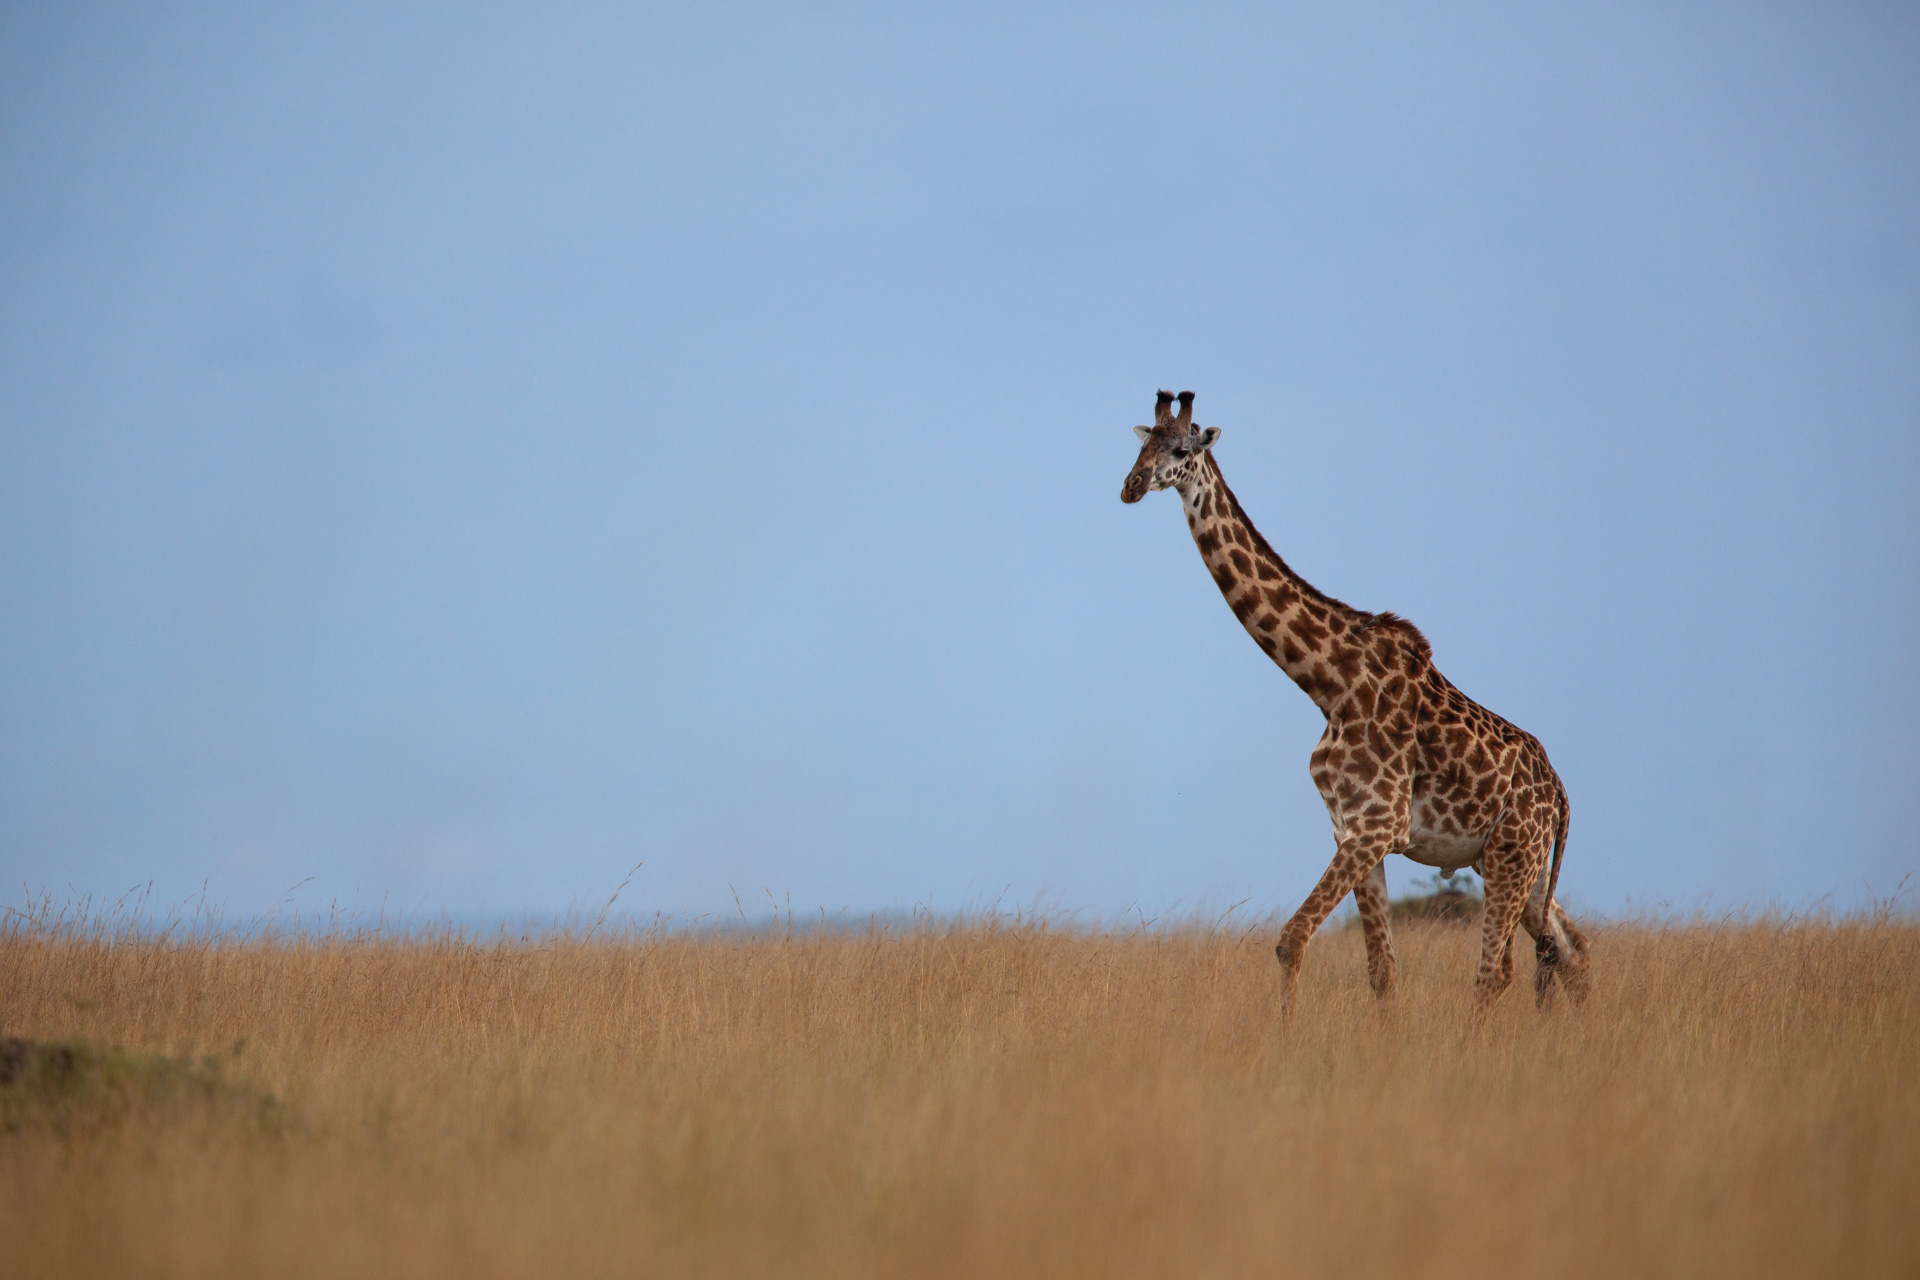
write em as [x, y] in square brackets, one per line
[1737, 1099]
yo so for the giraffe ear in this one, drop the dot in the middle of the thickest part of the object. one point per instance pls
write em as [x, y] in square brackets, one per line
[1143, 433]
[1208, 436]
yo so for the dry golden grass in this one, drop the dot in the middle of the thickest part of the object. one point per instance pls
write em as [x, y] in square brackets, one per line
[1736, 1100]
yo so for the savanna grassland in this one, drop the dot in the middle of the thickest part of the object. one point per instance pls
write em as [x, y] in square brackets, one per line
[1737, 1099]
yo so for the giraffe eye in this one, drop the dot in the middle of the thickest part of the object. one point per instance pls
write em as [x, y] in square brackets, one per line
[1181, 453]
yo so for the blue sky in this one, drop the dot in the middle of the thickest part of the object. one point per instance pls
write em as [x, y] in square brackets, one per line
[455, 454]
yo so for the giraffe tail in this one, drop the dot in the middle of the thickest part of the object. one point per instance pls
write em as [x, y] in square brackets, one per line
[1571, 966]
[1559, 847]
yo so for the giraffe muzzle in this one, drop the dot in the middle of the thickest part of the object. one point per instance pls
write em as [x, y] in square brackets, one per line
[1135, 488]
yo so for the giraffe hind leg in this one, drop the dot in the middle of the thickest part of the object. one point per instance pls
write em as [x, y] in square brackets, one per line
[1546, 955]
[1575, 969]
[1509, 869]
[1548, 947]
[1559, 949]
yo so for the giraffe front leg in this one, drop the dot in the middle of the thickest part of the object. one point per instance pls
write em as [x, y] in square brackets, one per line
[1358, 856]
[1370, 895]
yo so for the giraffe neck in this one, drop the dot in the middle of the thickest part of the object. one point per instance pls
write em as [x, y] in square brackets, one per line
[1309, 635]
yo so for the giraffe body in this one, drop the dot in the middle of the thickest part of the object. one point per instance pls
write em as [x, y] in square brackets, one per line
[1408, 763]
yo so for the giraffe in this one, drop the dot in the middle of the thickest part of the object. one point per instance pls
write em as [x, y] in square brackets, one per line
[1408, 764]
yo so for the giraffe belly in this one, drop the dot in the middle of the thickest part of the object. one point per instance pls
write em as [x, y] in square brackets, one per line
[1434, 846]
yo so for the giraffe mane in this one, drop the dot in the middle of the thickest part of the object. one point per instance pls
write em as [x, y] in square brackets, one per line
[1262, 547]
[1387, 619]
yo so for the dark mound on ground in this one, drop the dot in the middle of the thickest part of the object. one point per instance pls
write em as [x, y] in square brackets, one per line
[74, 1088]
[1442, 906]
[1436, 900]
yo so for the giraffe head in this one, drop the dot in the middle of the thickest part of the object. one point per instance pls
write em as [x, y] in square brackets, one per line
[1170, 450]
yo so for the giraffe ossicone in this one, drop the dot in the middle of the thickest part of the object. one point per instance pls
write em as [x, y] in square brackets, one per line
[1408, 764]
